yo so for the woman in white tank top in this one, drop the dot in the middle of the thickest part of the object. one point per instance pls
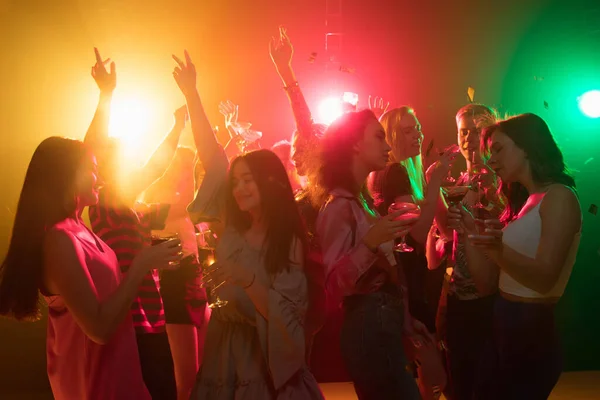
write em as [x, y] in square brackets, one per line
[534, 245]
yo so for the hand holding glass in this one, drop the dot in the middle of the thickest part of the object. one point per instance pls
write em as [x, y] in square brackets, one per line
[409, 211]
[207, 280]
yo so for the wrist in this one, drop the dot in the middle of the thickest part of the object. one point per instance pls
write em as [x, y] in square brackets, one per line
[372, 247]
[107, 92]
[138, 269]
[286, 74]
[191, 95]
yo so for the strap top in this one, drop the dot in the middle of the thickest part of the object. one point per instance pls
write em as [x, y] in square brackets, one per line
[523, 235]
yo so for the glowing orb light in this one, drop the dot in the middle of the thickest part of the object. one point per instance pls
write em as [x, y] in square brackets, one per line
[330, 109]
[130, 118]
[589, 104]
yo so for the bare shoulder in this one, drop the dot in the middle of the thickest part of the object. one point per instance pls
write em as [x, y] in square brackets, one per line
[561, 196]
[59, 237]
[561, 201]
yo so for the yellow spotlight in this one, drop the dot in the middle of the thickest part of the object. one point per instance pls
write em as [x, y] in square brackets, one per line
[130, 121]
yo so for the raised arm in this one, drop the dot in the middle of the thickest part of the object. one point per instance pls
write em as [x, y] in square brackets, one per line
[97, 134]
[204, 137]
[434, 206]
[282, 52]
[159, 161]
[67, 275]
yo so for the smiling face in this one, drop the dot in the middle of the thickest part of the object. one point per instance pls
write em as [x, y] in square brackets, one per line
[244, 188]
[373, 150]
[507, 159]
[468, 138]
[408, 138]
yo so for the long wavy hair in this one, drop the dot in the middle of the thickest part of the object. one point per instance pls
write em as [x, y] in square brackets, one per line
[48, 196]
[413, 165]
[531, 134]
[278, 208]
[335, 157]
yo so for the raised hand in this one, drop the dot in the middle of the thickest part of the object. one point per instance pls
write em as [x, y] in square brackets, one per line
[181, 116]
[378, 107]
[281, 49]
[185, 74]
[106, 80]
[439, 169]
[229, 111]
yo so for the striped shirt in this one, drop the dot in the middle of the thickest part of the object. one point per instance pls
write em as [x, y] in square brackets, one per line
[127, 231]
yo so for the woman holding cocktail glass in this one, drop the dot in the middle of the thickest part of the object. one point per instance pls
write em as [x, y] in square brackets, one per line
[402, 185]
[534, 244]
[362, 272]
[255, 344]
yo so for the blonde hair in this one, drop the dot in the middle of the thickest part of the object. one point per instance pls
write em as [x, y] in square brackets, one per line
[483, 115]
[413, 165]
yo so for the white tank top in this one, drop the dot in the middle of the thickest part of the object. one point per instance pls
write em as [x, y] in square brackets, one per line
[523, 236]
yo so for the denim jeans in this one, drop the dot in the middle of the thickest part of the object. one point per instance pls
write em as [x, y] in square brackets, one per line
[523, 360]
[469, 329]
[371, 344]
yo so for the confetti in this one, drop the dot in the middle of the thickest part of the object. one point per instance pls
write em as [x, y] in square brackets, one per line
[589, 160]
[538, 78]
[348, 70]
[546, 105]
[312, 58]
[429, 148]
[471, 93]
[593, 209]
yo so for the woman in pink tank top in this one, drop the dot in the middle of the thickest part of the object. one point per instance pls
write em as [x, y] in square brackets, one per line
[91, 346]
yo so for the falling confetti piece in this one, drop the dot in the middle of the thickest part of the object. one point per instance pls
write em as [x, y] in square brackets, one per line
[312, 58]
[471, 93]
[538, 78]
[589, 160]
[429, 148]
[593, 209]
[546, 105]
[348, 70]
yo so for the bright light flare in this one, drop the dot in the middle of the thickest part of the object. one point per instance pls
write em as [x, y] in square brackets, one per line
[130, 120]
[330, 109]
[589, 104]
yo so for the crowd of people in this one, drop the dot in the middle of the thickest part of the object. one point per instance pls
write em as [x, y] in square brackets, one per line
[227, 271]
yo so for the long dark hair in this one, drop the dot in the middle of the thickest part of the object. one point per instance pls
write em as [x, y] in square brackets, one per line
[531, 134]
[279, 209]
[336, 151]
[48, 197]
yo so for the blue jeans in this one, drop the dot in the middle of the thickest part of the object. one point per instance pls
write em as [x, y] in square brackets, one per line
[523, 361]
[371, 344]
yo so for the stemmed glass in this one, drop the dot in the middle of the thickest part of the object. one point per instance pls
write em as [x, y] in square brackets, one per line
[409, 211]
[244, 135]
[455, 194]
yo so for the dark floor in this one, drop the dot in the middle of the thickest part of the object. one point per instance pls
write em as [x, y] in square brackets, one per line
[572, 386]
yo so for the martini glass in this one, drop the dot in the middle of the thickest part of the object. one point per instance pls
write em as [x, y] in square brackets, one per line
[410, 211]
[455, 194]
